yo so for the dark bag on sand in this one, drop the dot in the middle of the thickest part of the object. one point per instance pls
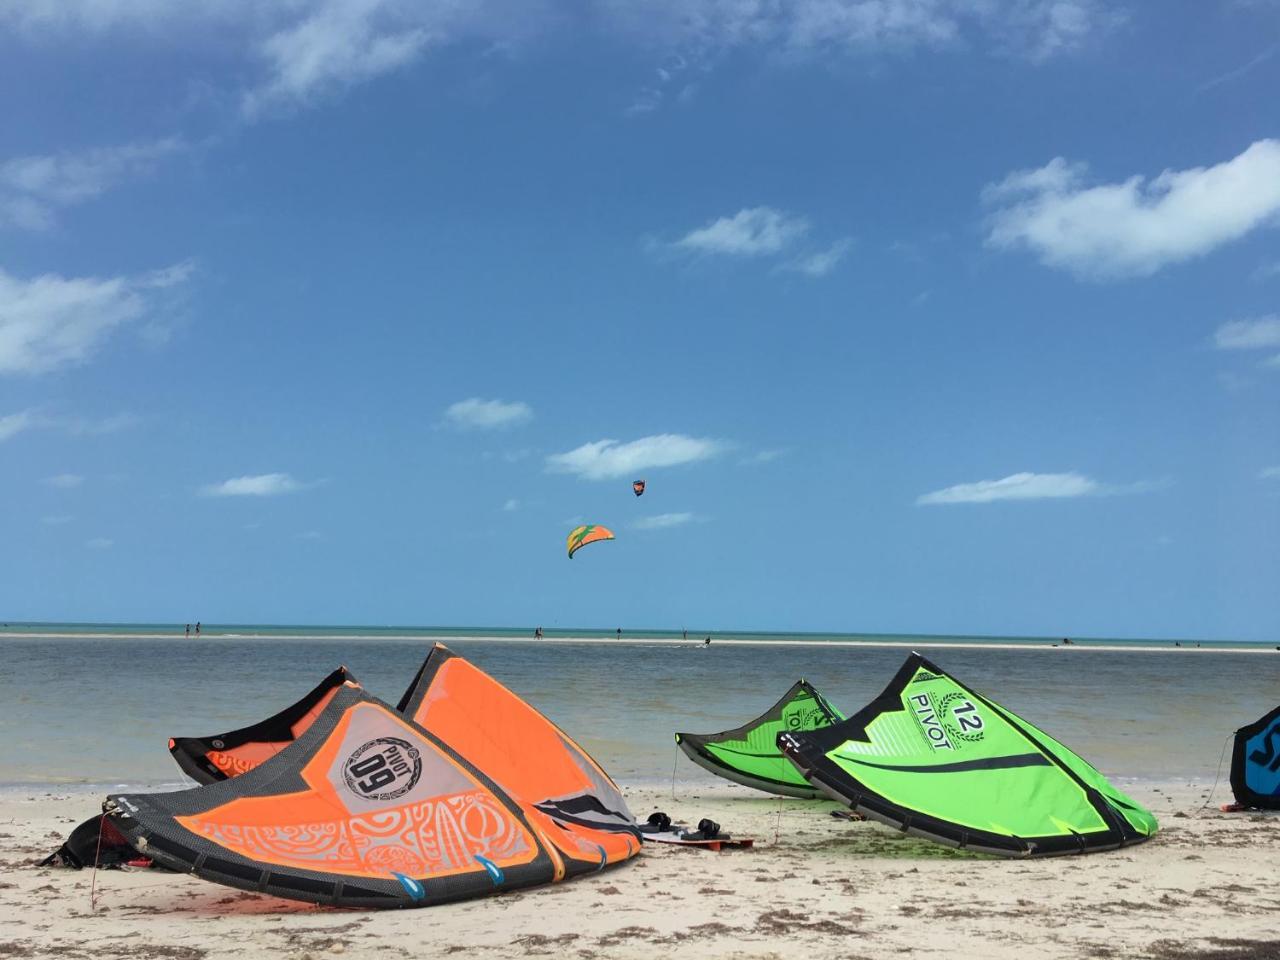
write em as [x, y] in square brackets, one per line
[95, 839]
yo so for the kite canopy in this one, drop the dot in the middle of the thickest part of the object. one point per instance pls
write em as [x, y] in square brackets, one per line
[581, 536]
[1255, 763]
[368, 808]
[637, 486]
[210, 759]
[749, 755]
[572, 804]
[935, 759]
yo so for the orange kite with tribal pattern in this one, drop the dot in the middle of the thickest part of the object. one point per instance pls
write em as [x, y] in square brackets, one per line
[462, 791]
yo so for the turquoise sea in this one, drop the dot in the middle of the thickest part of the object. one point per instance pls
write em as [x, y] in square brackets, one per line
[94, 705]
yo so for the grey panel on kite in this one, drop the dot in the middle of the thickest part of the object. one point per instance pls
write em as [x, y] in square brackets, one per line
[749, 754]
[226, 755]
[1255, 763]
[936, 759]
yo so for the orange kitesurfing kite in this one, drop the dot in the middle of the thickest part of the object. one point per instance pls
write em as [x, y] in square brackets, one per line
[589, 533]
[463, 790]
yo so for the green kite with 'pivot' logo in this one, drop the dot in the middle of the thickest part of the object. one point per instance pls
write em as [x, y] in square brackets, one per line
[749, 754]
[938, 760]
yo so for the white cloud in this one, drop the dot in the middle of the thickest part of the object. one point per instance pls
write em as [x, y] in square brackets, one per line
[52, 321]
[86, 426]
[65, 481]
[300, 52]
[750, 232]
[15, 423]
[477, 414]
[1269, 473]
[258, 485]
[820, 264]
[1237, 72]
[1257, 334]
[99, 543]
[1033, 29]
[662, 521]
[609, 459]
[297, 52]
[33, 188]
[341, 43]
[1018, 486]
[1134, 228]
[511, 505]
[316, 50]
[12, 424]
[765, 456]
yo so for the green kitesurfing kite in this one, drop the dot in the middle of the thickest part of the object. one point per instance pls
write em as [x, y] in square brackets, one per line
[935, 759]
[749, 755]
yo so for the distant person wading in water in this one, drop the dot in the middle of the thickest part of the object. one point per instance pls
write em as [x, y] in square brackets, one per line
[197, 628]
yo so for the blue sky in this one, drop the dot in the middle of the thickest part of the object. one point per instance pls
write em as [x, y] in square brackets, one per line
[916, 315]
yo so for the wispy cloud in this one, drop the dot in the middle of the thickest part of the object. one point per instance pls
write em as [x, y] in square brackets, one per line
[56, 520]
[1239, 71]
[1269, 473]
[1036, 30]
[821, 263]
[1031, 486]
[52, 321]
[511, 505]
[609, 459]
[750, 232]
[765, 456]
[298, 54]
[1136, 227]
[1256, 334]
[33, 188]
[256, 485]
[339, 44]
[99, 543]
[663, 521]
[13, 424]
[318, 50]
[1260, 333]
[65, 481]
[477, 414]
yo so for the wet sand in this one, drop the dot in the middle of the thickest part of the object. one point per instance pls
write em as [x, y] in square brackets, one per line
[1205, 888]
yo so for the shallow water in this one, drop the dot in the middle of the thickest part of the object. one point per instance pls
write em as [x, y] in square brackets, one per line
[101, 711]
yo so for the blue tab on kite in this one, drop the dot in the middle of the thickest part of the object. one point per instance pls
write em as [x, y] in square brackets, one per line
[495, 872]
[411, 886]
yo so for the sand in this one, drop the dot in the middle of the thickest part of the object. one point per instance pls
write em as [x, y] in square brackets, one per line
[813, 886]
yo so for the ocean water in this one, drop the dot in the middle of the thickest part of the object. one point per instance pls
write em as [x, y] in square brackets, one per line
[100, 710]
[235, 631]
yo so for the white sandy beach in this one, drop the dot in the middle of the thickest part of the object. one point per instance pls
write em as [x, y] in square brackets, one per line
[814, 886]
